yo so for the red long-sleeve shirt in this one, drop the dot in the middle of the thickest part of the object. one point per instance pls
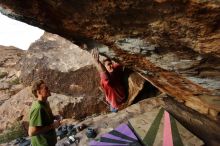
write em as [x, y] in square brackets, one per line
[112, 84]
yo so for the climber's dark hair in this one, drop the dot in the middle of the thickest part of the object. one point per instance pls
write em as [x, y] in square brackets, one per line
[36, 86]
[106, 59]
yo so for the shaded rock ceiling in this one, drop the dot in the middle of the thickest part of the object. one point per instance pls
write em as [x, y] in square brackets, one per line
[140, 34]
[171, 24]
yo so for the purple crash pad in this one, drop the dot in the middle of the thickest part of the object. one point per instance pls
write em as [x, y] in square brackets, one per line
[120, 136]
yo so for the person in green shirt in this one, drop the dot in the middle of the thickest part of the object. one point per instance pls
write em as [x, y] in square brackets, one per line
[42, 122]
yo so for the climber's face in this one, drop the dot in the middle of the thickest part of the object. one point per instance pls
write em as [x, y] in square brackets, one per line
[43, 92]
[109, 66]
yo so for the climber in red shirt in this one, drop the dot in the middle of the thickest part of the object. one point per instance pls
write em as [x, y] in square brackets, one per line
[111, 81]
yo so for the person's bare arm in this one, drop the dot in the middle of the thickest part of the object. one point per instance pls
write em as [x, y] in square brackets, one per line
[99, 65]
[36, 130]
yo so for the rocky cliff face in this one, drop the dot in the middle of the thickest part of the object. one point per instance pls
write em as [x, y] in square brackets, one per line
[10, 84]
[9, 72]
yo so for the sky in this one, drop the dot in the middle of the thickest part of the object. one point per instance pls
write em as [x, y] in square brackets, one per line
[17, 34]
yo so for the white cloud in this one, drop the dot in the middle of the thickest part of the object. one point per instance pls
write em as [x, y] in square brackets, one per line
[18, 34]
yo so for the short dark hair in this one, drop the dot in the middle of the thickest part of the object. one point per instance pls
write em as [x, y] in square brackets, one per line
[106, 59]
[36, 86]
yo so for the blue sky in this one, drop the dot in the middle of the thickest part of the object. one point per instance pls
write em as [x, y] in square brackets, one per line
[18, 34]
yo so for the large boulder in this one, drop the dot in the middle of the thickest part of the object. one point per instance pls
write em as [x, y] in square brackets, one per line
[67, 70]
[64, 66]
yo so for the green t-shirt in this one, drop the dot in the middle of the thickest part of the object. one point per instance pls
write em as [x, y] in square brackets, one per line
[41, 115]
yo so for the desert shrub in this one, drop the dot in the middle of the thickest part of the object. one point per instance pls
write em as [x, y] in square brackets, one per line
[15, 81]
[16, 131]
[3, 74]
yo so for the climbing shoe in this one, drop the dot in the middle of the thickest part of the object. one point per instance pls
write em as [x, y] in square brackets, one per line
[90, 132]
[71, 130]
[61, 132]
